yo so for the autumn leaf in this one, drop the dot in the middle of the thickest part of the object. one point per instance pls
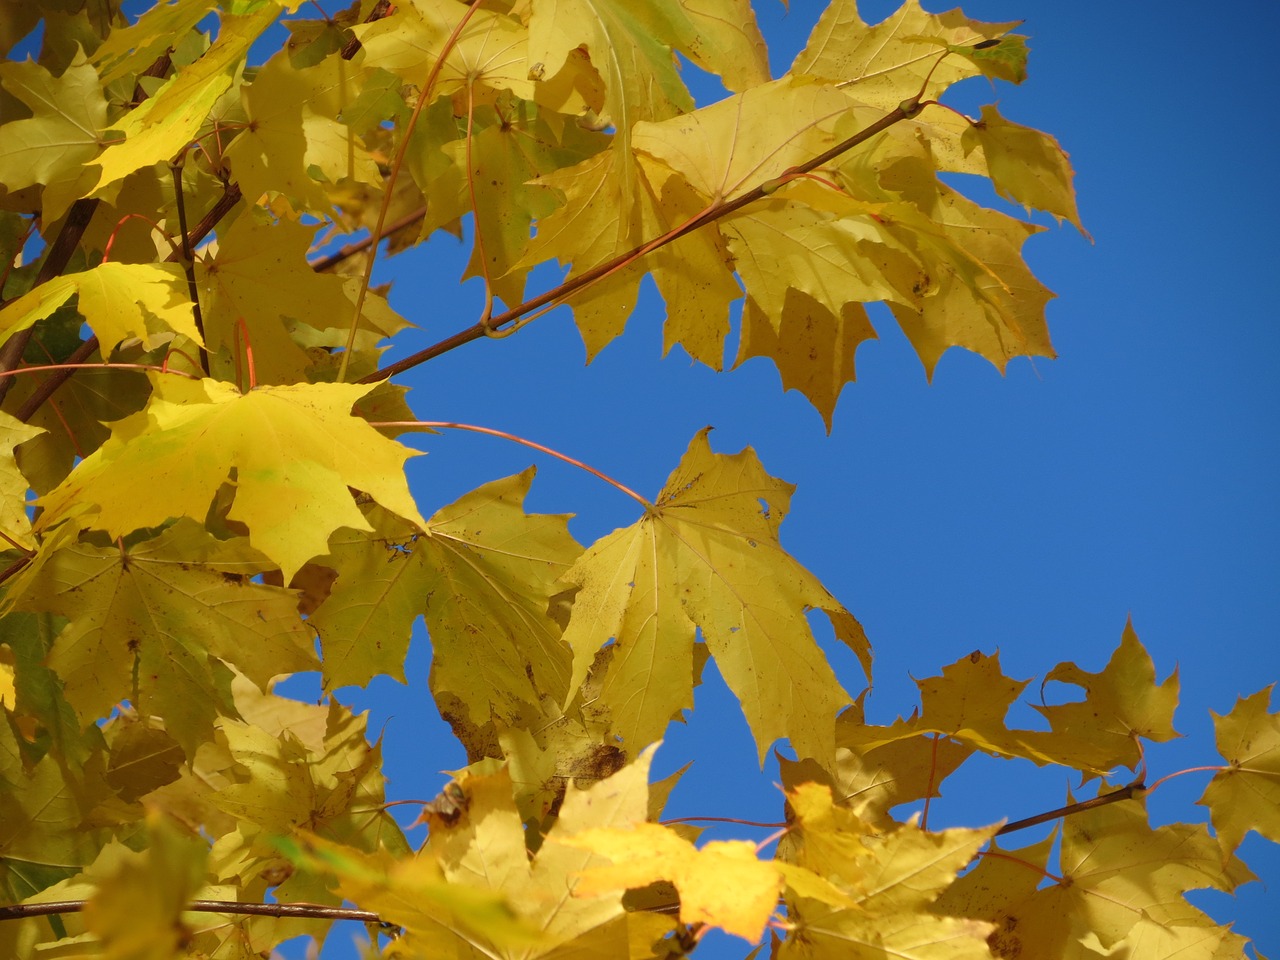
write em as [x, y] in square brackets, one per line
[1246, 794]
[1025, 165]
[485, 850]
[483, 574]
[45, 833]
[1115, 872]
[259, 277]
[160, 128]
[118, 300]
[295, 451]
[1123, 702]
[706, 558]
[724, 884]
[15, 525]
[52, 146]
[882, 65]
[812, 347]
[148, 625]
[892, 879]
[137, 910]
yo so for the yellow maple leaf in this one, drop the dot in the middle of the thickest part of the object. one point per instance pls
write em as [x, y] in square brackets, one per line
[882, 65]
[137, 909]
[724, 884]
[294, 451]
[52, 146]
[706, 557]
[117, 300]
[1025, 165]
[1115, 875]
[259, 274]
[1123, 702]
[150, 623]
[160, 128]
[482, 575]
[14, 522]
[1246, 795]
[891, 879]
[812, 347]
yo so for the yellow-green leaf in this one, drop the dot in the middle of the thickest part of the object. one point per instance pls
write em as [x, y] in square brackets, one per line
[295, 450]
[1025, 165]
[118, 300]
[150, 623]
[724, 884]
[15, 525]
[706, 557]
[1246, 795]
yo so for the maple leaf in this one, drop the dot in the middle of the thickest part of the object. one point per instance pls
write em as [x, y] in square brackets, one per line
[117, 300]
[148, 625]
[490, 52]
[706, 557]
[131, 49]
[46, 832]
[515, 142]
[295, 451]
[15, 525]
[485, 850]
[724, 884]
[136, 912]
[52, 146]
[892, 878]
[483, 573]
[1115, 872]
[1123, 702]
[293, 138]
[878, 768]
[160, 128]
[259, 275]
[812, 347]
[1246, 795]
[1025, 165]
[882, 65]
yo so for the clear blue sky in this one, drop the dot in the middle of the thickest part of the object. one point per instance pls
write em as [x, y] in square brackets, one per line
[1135, 475]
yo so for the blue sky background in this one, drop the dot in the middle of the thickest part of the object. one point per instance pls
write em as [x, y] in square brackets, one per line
[1135, 475]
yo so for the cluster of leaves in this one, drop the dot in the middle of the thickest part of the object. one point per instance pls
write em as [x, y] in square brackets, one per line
[203, 491]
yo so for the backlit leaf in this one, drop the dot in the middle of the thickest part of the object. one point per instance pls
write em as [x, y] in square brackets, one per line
[295, 451]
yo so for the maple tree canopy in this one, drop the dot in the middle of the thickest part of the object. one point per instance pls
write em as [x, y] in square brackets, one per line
[204, 493]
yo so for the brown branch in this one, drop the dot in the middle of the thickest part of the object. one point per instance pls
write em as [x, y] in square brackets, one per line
[352, 46]
[905, 110]
[309, 911]
[82, 353]
[188, 261]
[1135, 789]
[351, 249]
[55, 261]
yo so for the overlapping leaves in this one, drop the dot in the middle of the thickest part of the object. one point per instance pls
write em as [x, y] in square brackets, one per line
[162, 570]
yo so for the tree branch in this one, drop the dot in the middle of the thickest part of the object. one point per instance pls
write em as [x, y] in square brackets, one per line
[82, 353]
[55, 261]
[1135, 789]
[309, 911]
[351, 249]
[905, 110]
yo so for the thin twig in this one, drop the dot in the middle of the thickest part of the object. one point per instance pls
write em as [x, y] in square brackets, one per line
[331, 260]
[55, 261]
[311, 911]
[904, 111]
[489, 431]
[1135, 789]
[396, 164]
[188, 261]
[83, 352]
